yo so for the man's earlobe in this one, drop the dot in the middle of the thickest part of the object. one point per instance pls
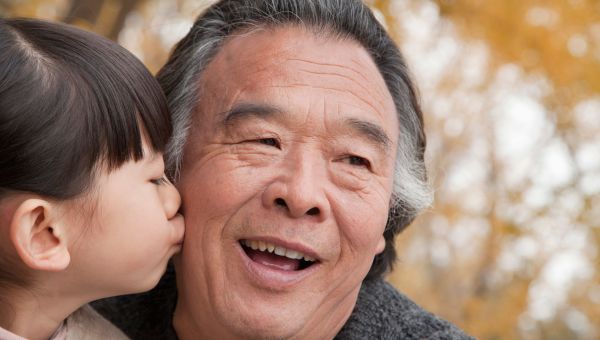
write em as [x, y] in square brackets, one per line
[39, 241]
[380, 245]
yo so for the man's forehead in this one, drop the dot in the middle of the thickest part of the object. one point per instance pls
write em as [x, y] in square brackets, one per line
[264, 63]
[272, 50]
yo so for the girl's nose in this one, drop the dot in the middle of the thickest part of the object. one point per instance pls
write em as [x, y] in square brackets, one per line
[171, 200]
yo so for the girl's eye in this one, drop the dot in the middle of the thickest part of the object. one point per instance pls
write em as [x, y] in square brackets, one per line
[160, 181]
[358, 161]
[269, 141]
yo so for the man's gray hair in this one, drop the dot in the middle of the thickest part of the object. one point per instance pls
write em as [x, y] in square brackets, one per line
[342, 19]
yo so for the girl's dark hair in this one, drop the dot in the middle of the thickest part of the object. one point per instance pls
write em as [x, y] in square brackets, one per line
[70, 99]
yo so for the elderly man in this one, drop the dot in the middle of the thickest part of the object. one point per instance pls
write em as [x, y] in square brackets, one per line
[298, 151]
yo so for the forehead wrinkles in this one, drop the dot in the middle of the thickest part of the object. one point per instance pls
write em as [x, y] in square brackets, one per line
[255, 62]
[283, 72]
[359, 69]
[338, 78]
[268, 50]
[250, 55]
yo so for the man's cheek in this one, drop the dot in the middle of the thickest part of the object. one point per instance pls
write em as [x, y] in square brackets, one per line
[363, 233]
[363, 218]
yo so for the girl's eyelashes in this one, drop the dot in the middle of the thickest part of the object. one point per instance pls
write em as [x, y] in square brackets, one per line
[160, 181]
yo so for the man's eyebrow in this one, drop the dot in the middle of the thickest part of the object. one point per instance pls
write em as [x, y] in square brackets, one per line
[372, 132]
[246, 110]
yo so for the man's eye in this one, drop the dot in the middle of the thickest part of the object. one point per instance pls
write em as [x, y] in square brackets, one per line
[269, 141]
[160, 181]
[358, 161]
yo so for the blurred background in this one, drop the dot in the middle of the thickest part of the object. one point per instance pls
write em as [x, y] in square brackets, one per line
[511, 95]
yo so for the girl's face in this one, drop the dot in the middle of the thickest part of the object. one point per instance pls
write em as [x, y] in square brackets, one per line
[129, 229]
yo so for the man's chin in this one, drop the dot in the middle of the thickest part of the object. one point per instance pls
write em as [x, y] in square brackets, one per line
[269, 325]
[296, 315]
[243, 322]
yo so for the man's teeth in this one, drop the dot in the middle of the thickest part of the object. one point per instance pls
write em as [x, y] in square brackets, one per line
[278, 250]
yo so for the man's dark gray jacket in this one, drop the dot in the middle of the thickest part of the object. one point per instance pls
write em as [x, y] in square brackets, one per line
[381, 312]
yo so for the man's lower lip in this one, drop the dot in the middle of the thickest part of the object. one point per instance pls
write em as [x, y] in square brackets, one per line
[272, 278]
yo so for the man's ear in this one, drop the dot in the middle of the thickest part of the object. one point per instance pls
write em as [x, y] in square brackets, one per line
[380, 245]
[40, 242]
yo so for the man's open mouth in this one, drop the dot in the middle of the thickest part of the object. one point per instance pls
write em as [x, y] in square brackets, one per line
[276, 257]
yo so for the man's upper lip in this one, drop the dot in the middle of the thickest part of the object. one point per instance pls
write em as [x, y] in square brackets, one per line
[290, 245]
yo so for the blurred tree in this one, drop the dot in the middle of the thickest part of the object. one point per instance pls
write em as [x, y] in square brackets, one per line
[552, 37]
[4, 7]
[557, 43]
[106, 17]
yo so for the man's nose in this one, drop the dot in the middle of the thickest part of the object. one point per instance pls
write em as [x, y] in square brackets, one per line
[300, 188]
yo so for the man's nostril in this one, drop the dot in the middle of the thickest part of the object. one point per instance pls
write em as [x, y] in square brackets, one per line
[313, 211]
[280, 202]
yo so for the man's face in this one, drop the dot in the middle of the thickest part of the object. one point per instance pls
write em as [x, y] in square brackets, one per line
[286, 184]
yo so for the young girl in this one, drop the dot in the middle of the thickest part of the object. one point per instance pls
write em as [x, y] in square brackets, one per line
[85, 209]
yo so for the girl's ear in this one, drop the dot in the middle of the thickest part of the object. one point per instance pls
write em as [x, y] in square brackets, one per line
[38, 237]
